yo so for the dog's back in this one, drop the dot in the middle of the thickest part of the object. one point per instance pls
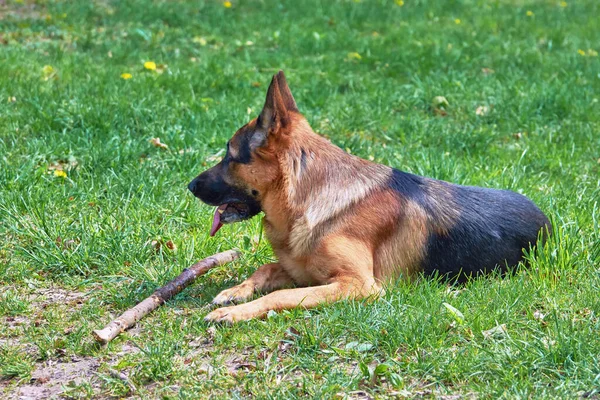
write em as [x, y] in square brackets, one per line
[471, 229]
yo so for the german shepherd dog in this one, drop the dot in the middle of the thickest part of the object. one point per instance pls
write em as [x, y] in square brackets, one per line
[342, 226]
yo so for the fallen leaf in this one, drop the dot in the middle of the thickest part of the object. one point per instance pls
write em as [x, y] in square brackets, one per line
[237, 365]
[292, 333]
[207, 369]
[360, 347]
[157, 143]
[482, 110]
[538, 315]
[156, 244]
[67, 164]
[283, 346]
[211, 332]
[439, 105]
[498, 331]
[440, 102]
[456, 314]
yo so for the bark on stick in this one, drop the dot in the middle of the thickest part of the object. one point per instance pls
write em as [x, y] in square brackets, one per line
[133, 315]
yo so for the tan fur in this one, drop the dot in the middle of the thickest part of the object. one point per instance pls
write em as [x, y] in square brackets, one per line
[323, 189]
[402, 252]
[333, 225]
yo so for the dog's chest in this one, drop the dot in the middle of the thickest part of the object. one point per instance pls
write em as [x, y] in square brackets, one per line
[296, 263]
[297, 269]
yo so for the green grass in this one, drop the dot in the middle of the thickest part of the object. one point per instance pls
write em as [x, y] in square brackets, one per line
[89, 232]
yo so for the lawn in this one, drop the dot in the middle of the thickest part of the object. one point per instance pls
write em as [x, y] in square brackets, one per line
[94, 217]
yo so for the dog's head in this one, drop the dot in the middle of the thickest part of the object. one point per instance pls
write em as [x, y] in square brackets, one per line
[239, 182]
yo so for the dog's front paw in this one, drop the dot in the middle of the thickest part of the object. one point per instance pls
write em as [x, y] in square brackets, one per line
[229, 315]
[236, 294]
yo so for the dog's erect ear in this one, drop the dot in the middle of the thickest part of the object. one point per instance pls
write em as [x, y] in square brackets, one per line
[278, 105]
[286, 93]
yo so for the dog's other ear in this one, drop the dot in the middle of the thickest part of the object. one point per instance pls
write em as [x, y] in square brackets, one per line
[286, 93]
[278, 105]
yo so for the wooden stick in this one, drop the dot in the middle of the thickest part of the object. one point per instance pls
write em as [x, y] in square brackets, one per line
[133, 315]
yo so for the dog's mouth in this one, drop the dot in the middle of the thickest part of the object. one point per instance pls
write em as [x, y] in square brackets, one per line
[228, 213]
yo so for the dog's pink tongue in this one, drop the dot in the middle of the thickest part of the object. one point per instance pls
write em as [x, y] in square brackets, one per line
[216, 225]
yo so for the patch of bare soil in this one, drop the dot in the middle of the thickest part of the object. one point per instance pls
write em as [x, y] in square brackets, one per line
[43, 297]
[40, 299]
[54, 295]
[49, 379]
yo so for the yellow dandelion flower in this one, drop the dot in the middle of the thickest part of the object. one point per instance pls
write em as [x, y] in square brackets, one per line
[151, 65]
[200, 40]
[227, 4]
[563, 3]
[354, 56]
[592, 53]
[399, 3]
[60, 173]
[529, 13]
[581, 52]
[47, 70]
[457, 21]
[126, 75]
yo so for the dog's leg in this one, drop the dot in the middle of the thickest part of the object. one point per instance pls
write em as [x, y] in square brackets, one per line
[344, 264]
[290, 298]
[266, 278]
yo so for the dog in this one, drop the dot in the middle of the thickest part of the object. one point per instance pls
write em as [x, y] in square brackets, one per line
[340, 226]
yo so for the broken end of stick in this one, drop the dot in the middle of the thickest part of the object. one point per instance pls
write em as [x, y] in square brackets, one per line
[101, 336]
[230, 255]
[110, 331]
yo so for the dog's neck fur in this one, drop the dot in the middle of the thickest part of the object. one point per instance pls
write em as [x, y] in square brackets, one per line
[319, 181]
